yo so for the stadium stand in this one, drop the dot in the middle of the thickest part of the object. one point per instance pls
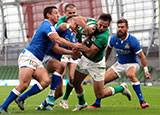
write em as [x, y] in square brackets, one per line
[8, 72]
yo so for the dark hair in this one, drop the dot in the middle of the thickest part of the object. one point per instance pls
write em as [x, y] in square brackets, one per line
[105, 17]
[122, 21]
[48, 10]
[69, 6]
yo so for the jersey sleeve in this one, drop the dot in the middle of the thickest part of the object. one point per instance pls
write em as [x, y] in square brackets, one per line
[50, 29]
[136, 45]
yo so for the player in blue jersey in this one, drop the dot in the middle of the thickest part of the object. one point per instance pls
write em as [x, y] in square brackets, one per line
[30, 59]
[128, 50]
[49, 60]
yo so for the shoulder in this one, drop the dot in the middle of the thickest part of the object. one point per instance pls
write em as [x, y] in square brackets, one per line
[133, 38]
[62, 18]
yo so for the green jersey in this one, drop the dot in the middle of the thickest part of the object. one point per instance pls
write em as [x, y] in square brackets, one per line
[101, 41]
[61, 20]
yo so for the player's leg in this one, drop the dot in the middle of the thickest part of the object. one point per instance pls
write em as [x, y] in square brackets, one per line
[131, 74]
[77, 83]
[25, 75]
[41, 75]
[56, 78]
[111, 74]
[69, 87]
[52, 65]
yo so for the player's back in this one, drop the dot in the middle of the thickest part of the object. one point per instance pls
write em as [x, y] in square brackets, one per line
[41, 43]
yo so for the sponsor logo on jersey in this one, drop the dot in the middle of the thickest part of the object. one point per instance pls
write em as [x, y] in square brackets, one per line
[52, 28]
[93, 38]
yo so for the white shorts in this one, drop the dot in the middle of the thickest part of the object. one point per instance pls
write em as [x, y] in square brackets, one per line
[121, 69]
[95, 70]
[27, 59]
[68, 59]
[45, 61]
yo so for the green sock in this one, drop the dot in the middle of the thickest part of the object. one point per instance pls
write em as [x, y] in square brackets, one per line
[81, 99]
[68, 91]
[118, 89]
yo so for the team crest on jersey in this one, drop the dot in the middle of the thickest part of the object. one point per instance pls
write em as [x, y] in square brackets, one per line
[93, 38]
[52, 28]
[74, 40]
[127, 46]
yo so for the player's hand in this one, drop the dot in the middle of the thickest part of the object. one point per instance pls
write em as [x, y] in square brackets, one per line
[76, 54]
[78, 46]
[89, 30]
[148, 75]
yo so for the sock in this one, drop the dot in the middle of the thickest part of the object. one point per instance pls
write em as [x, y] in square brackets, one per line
[12, 96]
[36, 88]
[118, 89]
[98, 101]
[56, 78]
[69, 88]
[44, 104]
[81, 98]
[137, 88]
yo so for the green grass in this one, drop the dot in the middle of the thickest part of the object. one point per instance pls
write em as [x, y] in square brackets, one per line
[115, 105]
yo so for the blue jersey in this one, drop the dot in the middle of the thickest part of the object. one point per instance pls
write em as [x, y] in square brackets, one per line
[67, 35]
[41, 43]
[126, 49]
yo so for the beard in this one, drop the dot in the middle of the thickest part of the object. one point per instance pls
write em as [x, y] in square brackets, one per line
[120, 34]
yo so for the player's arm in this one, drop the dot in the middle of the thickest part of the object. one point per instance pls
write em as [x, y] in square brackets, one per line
[108, 52]
[56, 38]
[82, 21]
[90, 52]
[143, 60]
[59, 50]
[63, 27]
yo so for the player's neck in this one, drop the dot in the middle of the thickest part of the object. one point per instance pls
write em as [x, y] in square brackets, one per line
[51, 21]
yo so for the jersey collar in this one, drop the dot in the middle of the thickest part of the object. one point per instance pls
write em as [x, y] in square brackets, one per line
[125, 38]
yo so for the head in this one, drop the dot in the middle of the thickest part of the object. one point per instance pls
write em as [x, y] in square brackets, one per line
[70, 9]
[122, 28]
[51, 14]
[103, 22]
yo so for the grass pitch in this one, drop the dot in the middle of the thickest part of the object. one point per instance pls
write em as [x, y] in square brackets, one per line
[114, 105]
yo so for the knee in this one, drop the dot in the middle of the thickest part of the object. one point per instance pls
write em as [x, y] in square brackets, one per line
[60, 68]
[131, 76]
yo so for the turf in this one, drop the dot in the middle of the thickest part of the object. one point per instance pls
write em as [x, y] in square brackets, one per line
[115, 105]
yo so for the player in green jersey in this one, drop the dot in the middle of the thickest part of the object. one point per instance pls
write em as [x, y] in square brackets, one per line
[92, 62]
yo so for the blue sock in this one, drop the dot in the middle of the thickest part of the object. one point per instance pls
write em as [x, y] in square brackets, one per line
[12, 96]
[34, 90]
[44, 103]
[56, 78]
[98, 101]
[137, 89]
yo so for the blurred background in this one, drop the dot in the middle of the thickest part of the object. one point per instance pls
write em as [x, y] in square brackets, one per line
[19, 20]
